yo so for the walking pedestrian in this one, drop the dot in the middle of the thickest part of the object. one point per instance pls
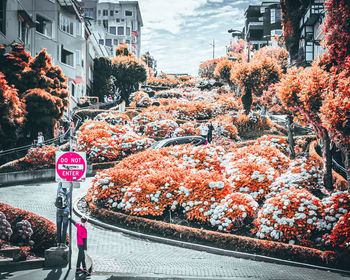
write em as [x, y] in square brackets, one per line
[41, 140]
[210, 132]
[219, 130]
[203, 130]
[62, 204]
[82, 245]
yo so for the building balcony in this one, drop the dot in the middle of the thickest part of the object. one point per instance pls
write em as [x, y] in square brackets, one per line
[313, 12]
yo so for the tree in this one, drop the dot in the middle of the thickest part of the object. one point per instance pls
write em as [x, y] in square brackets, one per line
[128, 72]
[123, 50]
[337, 30]
[207, 68]
[223, 69]
[335, 114]
[148, 60]
[12, 114]
[278, 54]
[255, 77]
[103, 83]
[13, 64]
[41, 74]
[43, 111]
[302, 91]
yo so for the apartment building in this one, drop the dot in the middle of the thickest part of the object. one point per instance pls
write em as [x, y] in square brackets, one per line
[310, 32]
[262, 22]
[115, 23]
[59, 27]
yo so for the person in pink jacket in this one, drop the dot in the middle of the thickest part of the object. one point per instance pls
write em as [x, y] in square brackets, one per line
[82, 244]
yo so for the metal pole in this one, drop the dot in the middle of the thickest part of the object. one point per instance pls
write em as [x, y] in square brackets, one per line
[70, 225]
[71, 197]
[213, 48]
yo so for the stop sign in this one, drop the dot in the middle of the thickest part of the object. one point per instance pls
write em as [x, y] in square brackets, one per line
[70, 166]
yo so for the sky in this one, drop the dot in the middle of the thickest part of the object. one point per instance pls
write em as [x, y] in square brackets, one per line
[179, 34]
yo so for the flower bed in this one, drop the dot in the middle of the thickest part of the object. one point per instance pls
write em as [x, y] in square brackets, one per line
[113, 118]
[141, 99]
[160, 128]
[217, 239]
[291, 217]
[252, 125]
[44, 231]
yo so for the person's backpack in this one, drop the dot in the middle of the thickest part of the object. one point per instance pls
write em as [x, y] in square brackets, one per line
[61, 200]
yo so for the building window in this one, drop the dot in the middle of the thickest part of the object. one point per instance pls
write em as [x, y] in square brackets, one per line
[89, 12]
[128, 31]
[67, 57]
[273, 15]
[116, 11]
[73, 89]
[105, 12]
[276, 32]
[122, 20]
[66, 25]
[113, 30]
[44, 26]
[109, 42]
[120, 30]
[22, 32]
[128, 42]
[115, 42]
[128, 13]
[276, 15]
[111, 13]
[105, 24]
[3, 16]
[101, 41]
[99, 12]
[117, 19]
[77, 57]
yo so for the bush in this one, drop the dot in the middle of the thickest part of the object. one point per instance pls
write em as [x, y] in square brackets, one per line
[5, 228]
[252, 125]
[41, 157]
[234, 212]
[141, 99]
[44, 231]
[113, 118]
[340, 235]
[291, 217]
[160, 128]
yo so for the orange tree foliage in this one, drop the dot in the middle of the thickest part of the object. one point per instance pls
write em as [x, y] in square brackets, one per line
[13, 64]
[335, 114]
[128, 72]
[28, 75]
[122, 50]
[254, 78]
[12, 114]
[337, 30]
[302, 92]
[223, 69]
[278, 54]
[207, 68]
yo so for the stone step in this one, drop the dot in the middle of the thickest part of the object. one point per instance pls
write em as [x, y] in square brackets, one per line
[7, 264]
[9, 252]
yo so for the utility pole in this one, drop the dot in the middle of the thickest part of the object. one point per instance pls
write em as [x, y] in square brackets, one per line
[213, 44]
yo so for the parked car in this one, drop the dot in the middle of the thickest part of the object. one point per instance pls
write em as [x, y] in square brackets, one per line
[195, 140]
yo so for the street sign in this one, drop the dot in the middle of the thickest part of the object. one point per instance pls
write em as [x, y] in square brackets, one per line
[70, 166]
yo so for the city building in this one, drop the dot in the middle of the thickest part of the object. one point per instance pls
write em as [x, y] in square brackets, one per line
[262, 23]
[60, 28]
[115, 23]
[310, 32]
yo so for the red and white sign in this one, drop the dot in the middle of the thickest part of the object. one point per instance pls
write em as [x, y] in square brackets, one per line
[70, 166]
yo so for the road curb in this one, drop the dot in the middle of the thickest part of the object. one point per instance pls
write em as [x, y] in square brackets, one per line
[205, 248]
[10, 265]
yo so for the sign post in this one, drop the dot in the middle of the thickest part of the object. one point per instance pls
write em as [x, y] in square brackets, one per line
[70, 167]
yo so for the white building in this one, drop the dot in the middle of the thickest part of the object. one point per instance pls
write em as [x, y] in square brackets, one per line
[115, 23]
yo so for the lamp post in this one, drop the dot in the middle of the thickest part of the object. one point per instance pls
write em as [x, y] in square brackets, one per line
[213, 44]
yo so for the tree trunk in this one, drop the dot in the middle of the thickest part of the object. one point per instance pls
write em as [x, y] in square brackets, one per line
[347, 168]
[290, 136]
[327, 162]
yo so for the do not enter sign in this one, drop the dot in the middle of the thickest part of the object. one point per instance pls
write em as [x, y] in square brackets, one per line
[70, 166]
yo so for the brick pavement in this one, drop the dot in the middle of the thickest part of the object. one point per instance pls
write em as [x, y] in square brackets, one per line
[115, 253]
